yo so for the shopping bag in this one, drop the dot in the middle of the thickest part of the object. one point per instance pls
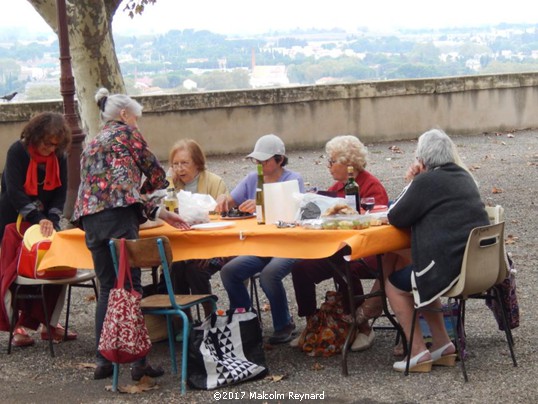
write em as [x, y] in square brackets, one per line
[33, 249]
[326, 331]
[448, 314]
[226, 349]
[124, 337]
[507, 291]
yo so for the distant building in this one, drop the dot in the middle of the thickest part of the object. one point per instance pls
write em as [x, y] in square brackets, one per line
[190, 84]
[328, 80]
[269, 76]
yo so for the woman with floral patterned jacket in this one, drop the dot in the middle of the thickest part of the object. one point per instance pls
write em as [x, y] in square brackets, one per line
[112, 201]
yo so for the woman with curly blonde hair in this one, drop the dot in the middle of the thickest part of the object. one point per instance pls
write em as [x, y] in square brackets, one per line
[342, 152]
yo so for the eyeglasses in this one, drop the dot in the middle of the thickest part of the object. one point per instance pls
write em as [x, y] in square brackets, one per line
[48, 144]
[181, 164]
[331, 162]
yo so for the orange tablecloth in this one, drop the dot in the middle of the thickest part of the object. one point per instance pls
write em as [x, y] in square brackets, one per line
[246, 237]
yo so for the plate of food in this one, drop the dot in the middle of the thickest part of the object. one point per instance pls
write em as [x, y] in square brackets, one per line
[212, 225]
[236, 214]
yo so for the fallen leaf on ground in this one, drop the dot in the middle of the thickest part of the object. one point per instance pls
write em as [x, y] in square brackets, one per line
[266, 307]
[395, 149]
[268, 347]
[276, 378]
[145, 384]
[474, 167]
[90, 298]
[511, 239]
[496, 190]
[85, 365]
[510, 136]
[317, 366]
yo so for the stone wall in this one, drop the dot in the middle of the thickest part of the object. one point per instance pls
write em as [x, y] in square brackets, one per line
[307, 116]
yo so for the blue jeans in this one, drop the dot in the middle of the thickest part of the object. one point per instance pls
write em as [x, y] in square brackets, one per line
[272, 271]
[99, 229]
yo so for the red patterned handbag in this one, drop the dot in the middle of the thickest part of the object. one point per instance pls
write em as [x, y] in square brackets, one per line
[124, 337]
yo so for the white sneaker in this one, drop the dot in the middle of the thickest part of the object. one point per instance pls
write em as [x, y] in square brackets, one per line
[363, 342]
[294, 343]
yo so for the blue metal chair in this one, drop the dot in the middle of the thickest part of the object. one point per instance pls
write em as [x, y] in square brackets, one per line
[150, 252]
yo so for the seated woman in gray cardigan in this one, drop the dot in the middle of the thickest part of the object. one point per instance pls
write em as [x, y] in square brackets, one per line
[441, 205]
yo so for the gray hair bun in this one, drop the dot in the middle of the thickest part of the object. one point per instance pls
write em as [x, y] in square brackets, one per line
[101, 97]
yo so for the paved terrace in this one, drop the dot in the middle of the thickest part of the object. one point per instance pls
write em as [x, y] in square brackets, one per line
[506, 166]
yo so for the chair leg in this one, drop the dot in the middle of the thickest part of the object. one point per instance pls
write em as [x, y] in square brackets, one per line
[184, 353]
[14, 318]
[410, 343]
[67, 311]
[115, 376]
[47, 321]
[507, 330]
[460, 331]
[386, 311]
[171, 342]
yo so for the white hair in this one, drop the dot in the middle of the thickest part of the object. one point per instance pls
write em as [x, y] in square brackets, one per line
[111, 105]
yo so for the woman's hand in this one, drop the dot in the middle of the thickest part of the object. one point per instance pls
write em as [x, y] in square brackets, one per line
[173, 219]
[415, 169]
[46, 227]
[248, 206]
[223, 203]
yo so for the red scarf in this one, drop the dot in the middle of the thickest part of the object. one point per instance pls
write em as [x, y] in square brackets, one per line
[52, 172]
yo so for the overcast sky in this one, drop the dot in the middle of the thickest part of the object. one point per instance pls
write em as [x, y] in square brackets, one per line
[256, 17]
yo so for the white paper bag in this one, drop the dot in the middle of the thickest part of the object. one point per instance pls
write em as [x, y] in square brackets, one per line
[280, 203]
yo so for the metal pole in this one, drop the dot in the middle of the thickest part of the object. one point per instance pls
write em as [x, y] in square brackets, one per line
[67, 89]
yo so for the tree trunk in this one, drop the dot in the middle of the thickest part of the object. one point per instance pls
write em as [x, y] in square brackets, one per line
[93, 55]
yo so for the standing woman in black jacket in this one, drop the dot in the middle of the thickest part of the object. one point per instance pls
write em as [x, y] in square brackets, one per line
[34, 186]
[441, 205]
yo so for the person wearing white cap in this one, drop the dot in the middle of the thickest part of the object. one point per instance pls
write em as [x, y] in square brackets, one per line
[271, 153]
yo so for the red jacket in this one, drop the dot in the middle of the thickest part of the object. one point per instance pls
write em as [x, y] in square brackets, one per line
[368, 186]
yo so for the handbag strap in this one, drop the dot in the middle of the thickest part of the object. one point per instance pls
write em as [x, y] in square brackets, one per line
[124, 268]
[18, 225]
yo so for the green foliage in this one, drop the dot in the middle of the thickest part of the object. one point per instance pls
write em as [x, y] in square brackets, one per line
[43, 92]
[345, 68]
[221, 80]
[171, 58]
[9, 76]
[133, 7]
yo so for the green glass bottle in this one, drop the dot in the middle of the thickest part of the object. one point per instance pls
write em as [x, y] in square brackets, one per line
[353, 198]
[260, 207]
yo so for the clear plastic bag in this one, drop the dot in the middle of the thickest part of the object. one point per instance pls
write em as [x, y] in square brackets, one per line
[195, 208]
[312, 206]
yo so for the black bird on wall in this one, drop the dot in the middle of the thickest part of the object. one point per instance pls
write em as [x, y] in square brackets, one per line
[9, 97]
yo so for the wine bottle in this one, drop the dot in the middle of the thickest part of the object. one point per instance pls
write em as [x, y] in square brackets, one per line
[352, 191]
[170, 201]
[260, 206]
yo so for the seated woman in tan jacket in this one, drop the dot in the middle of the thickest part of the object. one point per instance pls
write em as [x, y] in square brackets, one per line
[188, 163]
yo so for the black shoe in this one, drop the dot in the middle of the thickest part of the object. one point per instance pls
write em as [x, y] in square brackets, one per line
[103, 371]
[138, 372]
[284, 335]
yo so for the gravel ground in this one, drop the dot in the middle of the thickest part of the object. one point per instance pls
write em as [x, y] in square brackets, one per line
[506, 166]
